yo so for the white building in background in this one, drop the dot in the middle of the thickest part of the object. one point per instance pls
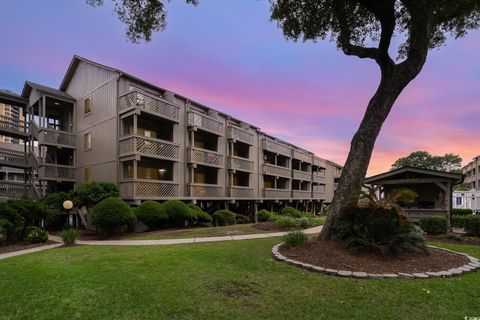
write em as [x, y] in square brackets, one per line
[466, 200]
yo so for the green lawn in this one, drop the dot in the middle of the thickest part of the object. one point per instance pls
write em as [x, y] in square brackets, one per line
[228, 280]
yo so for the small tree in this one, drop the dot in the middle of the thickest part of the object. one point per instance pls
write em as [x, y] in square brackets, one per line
[31, 213]
[423, 159]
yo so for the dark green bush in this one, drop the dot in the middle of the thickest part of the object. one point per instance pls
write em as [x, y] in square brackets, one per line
[286, 222]
[113, 215]
[462, 212]
[304, 222]
[69, 236]
[472, 225]
[152, 213]
[242, 219]
[37, 235]
[459, 221]
[377, 229]
[202, 216]
[264, 215]
[179, 214]
[434, 225]
[290, 212]
[224, 218]
[296, 238]
[55, 200]
[5, 226]
[91, 193]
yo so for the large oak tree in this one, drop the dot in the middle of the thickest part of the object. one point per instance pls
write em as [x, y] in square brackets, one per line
[361, 28]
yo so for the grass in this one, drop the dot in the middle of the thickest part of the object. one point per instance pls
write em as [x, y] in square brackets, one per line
[227, 280]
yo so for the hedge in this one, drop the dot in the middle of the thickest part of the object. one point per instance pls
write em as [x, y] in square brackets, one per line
[113, 215]
[224, 217]
[264, 215]
[434, 225]
[202, 216]
[462, 212]
[472, 225]
[152, 213]
[290, 212]
[179, 214]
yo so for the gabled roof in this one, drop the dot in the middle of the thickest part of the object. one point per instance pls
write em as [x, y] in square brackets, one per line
[397, 173]
[11, 97]
[27, 89]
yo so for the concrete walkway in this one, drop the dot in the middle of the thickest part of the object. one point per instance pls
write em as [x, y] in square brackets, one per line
[154, 242]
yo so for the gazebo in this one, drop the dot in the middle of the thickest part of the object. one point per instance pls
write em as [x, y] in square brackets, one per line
[434, 189]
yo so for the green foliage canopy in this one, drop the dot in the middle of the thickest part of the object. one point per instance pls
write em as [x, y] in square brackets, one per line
[424, 160]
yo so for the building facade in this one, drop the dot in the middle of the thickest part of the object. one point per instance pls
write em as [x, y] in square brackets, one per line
[106, 125]
[470, 199]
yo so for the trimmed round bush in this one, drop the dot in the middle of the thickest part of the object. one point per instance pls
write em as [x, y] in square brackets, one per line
[37, 235]
[224, 218]
[304, 222]
[472, 225]
[113, 215]
[202, 216]
[434, 225]
[286, 222]
[242, 219]
[152, 213]
[179, 214]
[69, 236]
[290, 212]
[264, 215]
[462, 212]
[294, 239]
[459, 221]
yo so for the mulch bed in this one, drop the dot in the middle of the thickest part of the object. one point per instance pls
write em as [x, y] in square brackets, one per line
[17, 246]
[333, 254]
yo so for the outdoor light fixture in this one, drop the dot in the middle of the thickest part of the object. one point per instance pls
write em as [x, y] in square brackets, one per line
[67, 205]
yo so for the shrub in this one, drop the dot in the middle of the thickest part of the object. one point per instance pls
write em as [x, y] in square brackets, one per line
[37, 235]
[264, 215]
[376, 228]
[202, 216]
[304, 222]
[472, 225]
[24, 213]
[307, 214]
[294, 239]
[69, 236]
[91, 193]
[434, 225]
[242, 219]
[112, 215]
[55, 200]
[286, 222]
[290, 212]
[5, 226]
[459, 221]
[152, 213]
[179, 214]
[462, 212]
[224, 218]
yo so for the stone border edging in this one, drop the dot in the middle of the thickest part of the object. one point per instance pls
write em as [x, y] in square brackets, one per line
[472, 266]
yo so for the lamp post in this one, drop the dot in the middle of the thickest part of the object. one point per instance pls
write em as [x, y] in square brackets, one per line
[68, 205]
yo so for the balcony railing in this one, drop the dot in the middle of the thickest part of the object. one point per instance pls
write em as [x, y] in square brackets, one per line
[149, 103]
[300, 155]
[302, 175]
[273, 170]
[205, 157]
[13, 189]
[239, 192]
[236, 163]
[205, 122]
[318, 195]
[50, 171]
[270, 193]
[319, 162]
[301, 194]
[12, 158]
[239, 134]
[11, 125]
[148, 189]
[149, 147]
[198, 190]
[318, 178]
[56, 137]
[276, 147]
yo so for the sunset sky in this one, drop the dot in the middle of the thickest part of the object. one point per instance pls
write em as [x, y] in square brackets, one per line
[228, 55]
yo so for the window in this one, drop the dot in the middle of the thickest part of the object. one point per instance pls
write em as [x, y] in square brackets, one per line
[459, 201]
[87, 106]
[87, 175]
[87, 141]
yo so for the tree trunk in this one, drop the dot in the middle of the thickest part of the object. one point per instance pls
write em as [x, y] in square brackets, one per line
[355, 169]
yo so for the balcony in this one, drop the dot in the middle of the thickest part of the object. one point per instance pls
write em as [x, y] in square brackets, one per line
[198, 190]
[302, 175]
[303, 156]
[13, 190]
[11, 158]
[276, 147]
[319, 162]
[277, 171]
[56, 172]
[150, 104]
[13, 127]
[148, 189]
[149, 147]
[318, 195]
[204, 122]
[205, 157]
[56, 138]
[318, 178]
[269, 193]
[242, 164]
[238, 134]
[239, 192]
[301, 194]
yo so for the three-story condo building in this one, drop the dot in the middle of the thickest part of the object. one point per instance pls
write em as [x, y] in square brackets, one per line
[106, 125]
